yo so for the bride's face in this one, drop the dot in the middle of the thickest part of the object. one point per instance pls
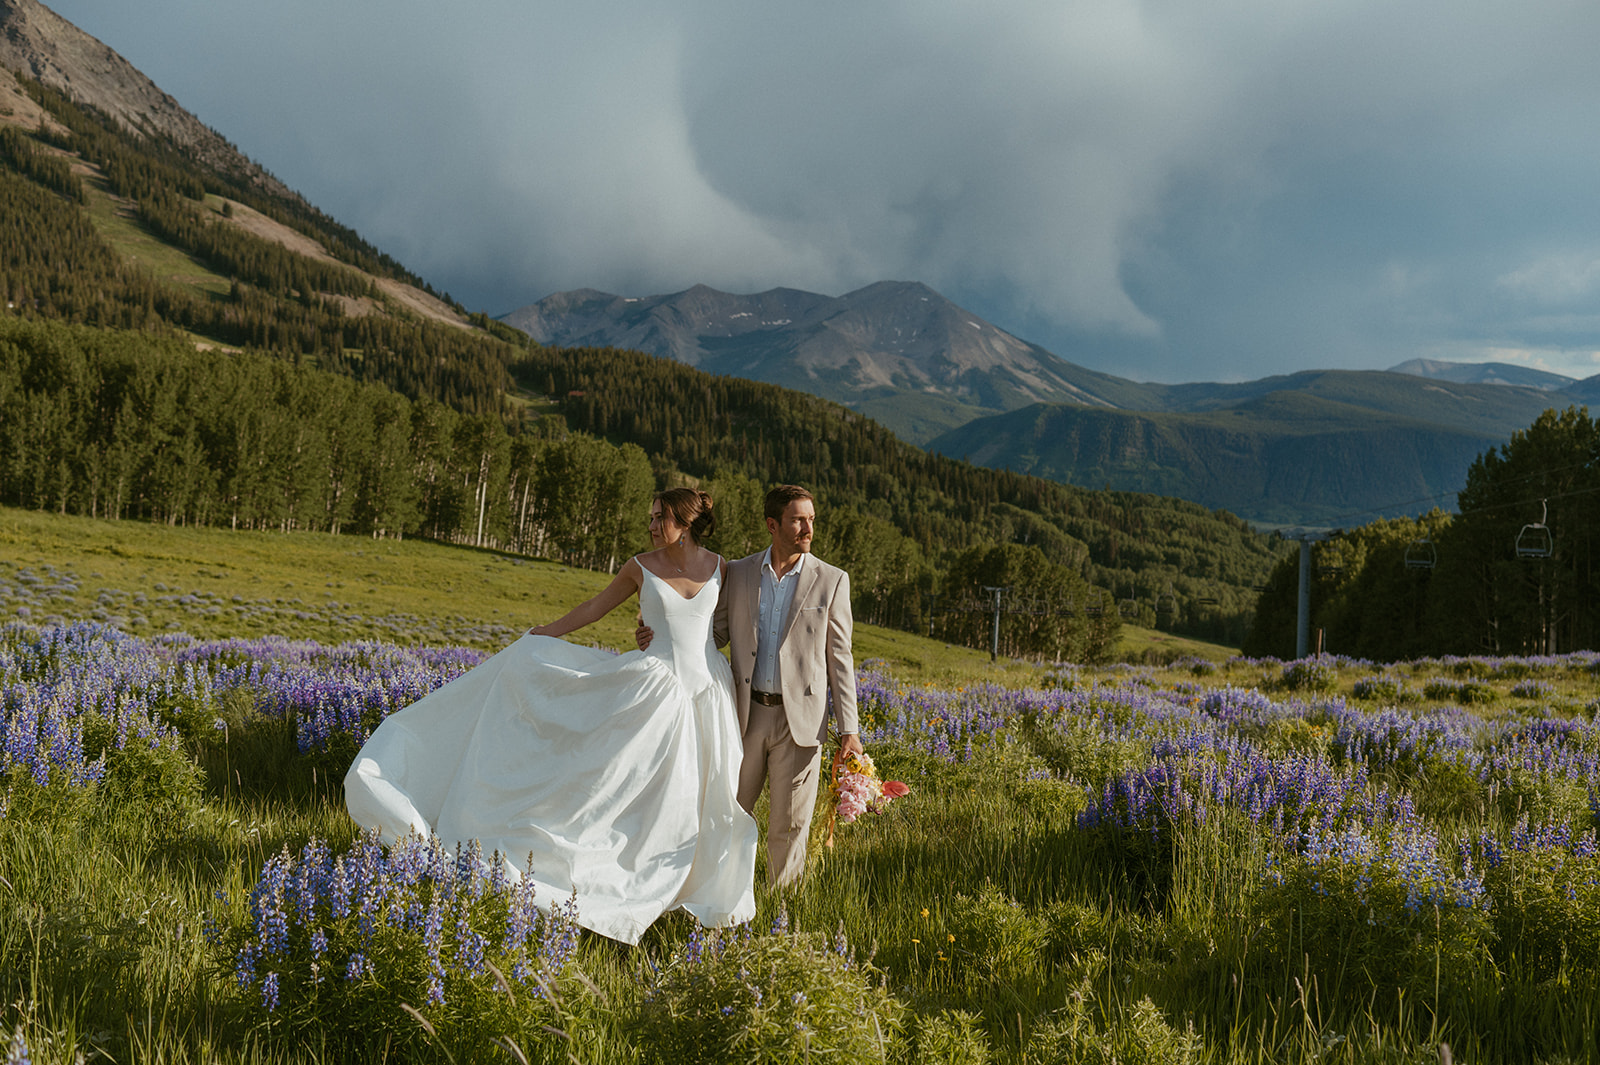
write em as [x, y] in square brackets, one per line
[664, 528]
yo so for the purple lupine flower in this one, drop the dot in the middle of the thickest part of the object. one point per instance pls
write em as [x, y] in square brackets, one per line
[17, 1052]
[470, 946]
[269, 992]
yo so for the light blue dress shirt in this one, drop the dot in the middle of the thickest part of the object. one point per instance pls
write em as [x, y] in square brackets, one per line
[776, 595]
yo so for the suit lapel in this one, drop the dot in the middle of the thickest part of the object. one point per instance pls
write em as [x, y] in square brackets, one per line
[809, 575]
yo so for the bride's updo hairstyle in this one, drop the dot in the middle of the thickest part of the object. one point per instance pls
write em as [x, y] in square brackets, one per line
[690, 508]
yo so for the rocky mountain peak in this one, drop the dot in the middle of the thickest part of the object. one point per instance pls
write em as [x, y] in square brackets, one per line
[39, 44]
[895, 349]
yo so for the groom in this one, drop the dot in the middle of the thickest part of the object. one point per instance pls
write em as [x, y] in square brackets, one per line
[786, 615]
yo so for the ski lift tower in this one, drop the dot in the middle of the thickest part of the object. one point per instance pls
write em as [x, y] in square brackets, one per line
[1302, 627]
[994, 634]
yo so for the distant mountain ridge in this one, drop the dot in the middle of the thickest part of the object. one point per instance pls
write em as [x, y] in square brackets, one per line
[1309, 447]
[1286, 458]
[1317, 447]
[1485, 373]
[896, 351]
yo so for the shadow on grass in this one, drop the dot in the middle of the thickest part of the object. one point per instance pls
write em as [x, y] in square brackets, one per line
[257, 759]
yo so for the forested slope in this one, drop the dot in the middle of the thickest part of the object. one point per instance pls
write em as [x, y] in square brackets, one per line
[116, 424]
[55, 263]
[1516, 572]
[261, 387]
[920, 505]
[1316, 451]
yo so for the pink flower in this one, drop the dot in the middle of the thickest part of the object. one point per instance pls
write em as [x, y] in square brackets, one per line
[857, 790]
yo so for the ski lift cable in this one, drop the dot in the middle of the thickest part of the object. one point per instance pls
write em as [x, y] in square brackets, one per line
[1344, 521]
[1532, 500]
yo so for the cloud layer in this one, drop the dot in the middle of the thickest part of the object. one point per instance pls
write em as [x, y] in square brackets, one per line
[1218, 189]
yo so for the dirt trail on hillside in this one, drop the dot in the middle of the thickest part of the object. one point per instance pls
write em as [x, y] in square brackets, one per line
[408, 296]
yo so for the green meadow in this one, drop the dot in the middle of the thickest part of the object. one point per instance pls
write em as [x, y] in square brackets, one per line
[213, 583]
[1426, 876]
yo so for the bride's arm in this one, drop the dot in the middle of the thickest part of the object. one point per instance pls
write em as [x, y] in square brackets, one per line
[719, 618]
[625, 584]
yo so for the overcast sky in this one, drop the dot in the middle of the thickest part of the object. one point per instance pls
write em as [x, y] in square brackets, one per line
[1164, 189]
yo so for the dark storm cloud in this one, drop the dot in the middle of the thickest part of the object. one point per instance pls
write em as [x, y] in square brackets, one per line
[1174, 190]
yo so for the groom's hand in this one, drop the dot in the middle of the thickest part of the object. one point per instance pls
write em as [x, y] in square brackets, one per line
[849, 743]
[643, 635]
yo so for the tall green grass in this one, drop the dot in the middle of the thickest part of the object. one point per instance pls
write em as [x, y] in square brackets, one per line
[1007, 934]
[980, 902]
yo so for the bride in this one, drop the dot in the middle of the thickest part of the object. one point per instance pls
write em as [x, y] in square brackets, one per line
[612, 776]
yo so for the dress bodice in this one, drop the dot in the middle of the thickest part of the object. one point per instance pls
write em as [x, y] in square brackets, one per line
[682, 626]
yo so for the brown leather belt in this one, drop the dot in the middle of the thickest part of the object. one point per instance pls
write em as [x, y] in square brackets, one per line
[766, 698]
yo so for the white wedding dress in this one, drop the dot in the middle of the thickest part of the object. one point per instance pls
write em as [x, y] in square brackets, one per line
[614, 776]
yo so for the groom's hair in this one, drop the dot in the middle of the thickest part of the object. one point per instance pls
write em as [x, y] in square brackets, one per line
[779, 498]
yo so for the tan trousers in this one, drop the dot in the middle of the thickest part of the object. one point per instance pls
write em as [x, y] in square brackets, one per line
[770, 751]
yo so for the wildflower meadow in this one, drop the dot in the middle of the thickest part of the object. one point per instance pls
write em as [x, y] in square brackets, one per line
[1240, 860]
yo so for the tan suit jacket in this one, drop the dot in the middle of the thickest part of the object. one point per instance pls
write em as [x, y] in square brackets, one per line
[813, 646]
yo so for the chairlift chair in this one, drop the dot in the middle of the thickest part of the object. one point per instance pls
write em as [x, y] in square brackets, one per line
[1166, 603]
[1421, 554]
[1128, 608]
[1535, 541]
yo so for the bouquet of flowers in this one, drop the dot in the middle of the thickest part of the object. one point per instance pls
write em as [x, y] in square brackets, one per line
[857, 790]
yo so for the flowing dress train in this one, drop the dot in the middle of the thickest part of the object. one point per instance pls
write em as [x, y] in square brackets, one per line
[614, 776]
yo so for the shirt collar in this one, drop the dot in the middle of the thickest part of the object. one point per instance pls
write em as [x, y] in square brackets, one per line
[766, 565]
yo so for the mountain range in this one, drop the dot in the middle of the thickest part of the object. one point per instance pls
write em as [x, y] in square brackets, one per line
[1317, 447]
[897, 352]
[1302, 448]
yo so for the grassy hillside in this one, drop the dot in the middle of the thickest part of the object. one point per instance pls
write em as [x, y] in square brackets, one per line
[116, 231]
[150, 579]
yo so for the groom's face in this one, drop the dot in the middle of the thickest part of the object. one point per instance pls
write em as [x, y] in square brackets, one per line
[791, 534]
